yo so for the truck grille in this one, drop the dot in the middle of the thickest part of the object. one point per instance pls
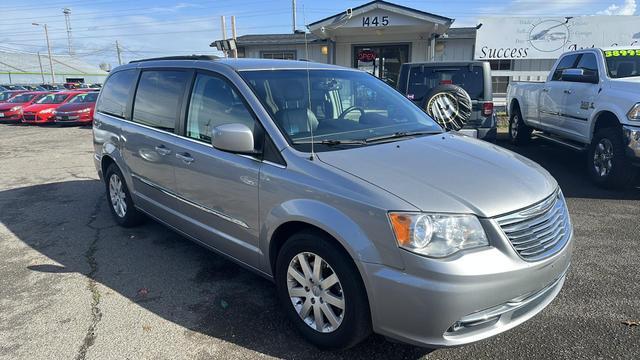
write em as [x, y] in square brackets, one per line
[538, 231]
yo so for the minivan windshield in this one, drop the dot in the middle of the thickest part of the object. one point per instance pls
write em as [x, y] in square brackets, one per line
[337, 106]
[622, 63]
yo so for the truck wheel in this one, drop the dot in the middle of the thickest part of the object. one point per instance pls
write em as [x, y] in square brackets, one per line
[321, 291]
[519, 132]
[449, 105]
[608, 163]
[119, 198]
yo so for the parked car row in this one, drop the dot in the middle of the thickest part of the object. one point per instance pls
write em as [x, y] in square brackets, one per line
[49, 87]
[40, 107]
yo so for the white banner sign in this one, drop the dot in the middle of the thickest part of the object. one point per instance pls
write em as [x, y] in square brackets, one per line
[547, 38]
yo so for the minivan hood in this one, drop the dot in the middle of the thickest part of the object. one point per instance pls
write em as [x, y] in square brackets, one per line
[448, 173]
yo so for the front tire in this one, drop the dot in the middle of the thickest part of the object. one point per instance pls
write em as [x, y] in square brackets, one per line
[519, 132]
[608, 164]
[119, 198]
[321, 291]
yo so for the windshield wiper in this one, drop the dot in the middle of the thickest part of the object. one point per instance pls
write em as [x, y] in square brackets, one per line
[332, 142]
[400, 134]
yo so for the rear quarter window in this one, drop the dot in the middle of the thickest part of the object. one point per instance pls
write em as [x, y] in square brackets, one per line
[115, 94]
[159, 97]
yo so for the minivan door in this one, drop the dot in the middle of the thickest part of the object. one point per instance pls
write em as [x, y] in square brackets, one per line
[148, 138]
[220, 189]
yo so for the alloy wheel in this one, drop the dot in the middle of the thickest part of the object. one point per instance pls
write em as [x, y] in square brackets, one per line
[603, 157]
[514, 126]
[315, 292]
[117, 195]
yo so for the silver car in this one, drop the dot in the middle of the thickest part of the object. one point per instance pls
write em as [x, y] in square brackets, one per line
[365, 214]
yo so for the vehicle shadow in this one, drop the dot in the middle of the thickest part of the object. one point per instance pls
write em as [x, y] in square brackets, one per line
[569, 168]
[161, 271]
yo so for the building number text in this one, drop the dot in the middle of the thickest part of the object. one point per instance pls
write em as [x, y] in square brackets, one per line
[368, 21]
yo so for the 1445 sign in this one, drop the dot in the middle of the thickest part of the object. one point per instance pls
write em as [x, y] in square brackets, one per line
[368, 21]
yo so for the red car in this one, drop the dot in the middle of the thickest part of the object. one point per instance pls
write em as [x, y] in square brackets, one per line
[12, 109]
[78, 110]
[42, 110]
[7, 95]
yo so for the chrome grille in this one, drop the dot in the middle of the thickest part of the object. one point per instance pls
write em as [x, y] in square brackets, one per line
[540, 230]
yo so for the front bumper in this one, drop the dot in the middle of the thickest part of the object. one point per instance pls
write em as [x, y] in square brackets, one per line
[470, 297]
[631, 138]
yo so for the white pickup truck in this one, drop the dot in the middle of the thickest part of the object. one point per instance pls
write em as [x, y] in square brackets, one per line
[590, 102]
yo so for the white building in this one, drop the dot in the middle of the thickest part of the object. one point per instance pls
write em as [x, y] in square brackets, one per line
[29, 68]
[379, 36]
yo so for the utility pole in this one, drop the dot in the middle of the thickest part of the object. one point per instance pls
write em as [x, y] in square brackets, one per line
[41, 70]
[67, 20]
[293, 12]
[118, 52]
[224, 32]
[46, 35]
[233, 34]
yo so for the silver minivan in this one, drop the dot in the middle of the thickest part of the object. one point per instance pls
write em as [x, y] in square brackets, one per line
[365, 214]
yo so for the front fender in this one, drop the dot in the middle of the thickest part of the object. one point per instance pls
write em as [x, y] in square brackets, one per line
[351, 236]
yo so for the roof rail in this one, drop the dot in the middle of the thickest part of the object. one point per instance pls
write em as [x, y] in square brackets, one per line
[180, 57]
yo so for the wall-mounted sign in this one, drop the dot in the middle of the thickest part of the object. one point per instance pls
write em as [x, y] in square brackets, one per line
[366, 55]
[548, 38]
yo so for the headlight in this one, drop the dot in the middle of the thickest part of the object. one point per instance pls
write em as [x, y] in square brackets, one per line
[84, 110]
[15, 108]
[46, 111]
[634, 113]
[437, 235]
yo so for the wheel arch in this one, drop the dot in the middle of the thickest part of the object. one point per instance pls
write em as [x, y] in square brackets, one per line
[603, 119]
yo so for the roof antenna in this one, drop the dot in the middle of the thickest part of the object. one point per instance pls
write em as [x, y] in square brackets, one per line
[306, 55]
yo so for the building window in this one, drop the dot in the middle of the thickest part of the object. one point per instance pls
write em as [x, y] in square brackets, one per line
[279, 54]
[500, 64]
[499, 84]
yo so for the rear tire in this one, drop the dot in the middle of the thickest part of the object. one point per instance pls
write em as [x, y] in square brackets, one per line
[519, 132]
[346, 299]
[119, 199]
[608, 163]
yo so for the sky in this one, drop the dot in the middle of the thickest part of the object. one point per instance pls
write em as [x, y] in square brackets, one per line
[151, 28]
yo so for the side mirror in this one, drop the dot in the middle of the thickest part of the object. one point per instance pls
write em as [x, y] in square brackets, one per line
[578, 75]
[235, 138]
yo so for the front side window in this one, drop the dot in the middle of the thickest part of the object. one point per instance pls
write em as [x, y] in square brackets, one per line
[566, 62]
[114, 97]
[215, 102]
[158, 98]
[622, 63]
[53, 99]
[335, 106]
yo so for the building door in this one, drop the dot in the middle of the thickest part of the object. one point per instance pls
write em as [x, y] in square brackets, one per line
[382, 61]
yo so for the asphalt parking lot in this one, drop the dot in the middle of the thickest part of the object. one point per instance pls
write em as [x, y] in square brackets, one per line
[73, 285]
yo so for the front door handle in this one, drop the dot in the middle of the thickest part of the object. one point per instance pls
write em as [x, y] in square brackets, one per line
[545, 90]
[185, 157]
[162, 150]
[568, 91]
